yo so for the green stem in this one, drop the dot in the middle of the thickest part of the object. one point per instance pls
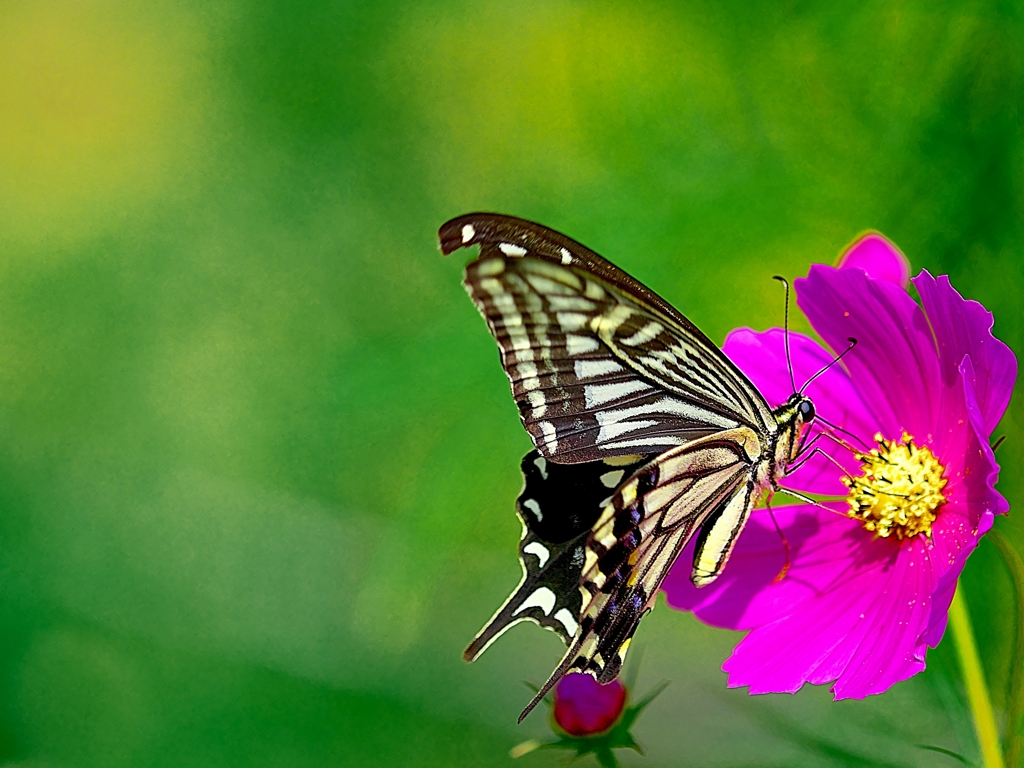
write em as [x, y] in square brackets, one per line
[974, 682]
[1015, 707]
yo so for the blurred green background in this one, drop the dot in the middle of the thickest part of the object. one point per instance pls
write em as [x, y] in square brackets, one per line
[258, 458]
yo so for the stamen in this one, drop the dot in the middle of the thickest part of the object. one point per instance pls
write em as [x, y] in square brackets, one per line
[900, 489]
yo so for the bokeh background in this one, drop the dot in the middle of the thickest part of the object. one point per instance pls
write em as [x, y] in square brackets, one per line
[258, 458]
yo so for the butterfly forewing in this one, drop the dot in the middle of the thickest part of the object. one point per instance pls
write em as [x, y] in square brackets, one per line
[598, 367]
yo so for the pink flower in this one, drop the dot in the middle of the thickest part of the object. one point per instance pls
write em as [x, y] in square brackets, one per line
[584, 707]
[866, 595]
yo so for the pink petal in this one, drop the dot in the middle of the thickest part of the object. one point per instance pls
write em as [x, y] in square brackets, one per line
[746, 595]
[950, 435]
[863, 629]
[981, 471]
[878, 257]
[964, 327]
[894, 365]
[888, 651]
[955, 540]
[815, 642]
[973, 502]
[762, 357]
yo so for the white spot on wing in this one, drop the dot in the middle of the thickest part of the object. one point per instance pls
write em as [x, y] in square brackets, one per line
[527, 370]
[503, 301]
[594, 291]
[542, 553]
[605, 325]
[621, 461]
[567, 621]
[555, 272]
[549, 286]
[550, 436]
[468, 233]
[669, 406]
[511, 250]
[490, 267]
[537, 404]
[612, 479]
[588, 369]
[566, 259]
[616, 428]
[598, 394]
[528, 377]
[542, 464]
[579, 345]
[645, 334]
[543, 598]
[562, 303]
[571, 321]
[647, 442]
[533, 506]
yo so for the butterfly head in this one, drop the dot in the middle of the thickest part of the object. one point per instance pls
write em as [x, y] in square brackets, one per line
[805, 408]
[796, 411]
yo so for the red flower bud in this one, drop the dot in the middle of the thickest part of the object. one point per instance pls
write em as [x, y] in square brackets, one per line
[584, 707]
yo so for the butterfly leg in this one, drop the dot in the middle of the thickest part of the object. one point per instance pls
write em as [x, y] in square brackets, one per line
[792, 468]
[785, 542]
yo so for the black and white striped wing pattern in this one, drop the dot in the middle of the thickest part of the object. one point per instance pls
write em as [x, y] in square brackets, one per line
[558, 507]
[599, 364]
[706, 485]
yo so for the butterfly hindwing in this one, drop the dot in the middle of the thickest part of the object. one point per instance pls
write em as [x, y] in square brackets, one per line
[558, 507]
[641, 531]
[599, 365]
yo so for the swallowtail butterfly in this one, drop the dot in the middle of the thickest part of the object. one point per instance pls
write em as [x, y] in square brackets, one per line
[646, 434]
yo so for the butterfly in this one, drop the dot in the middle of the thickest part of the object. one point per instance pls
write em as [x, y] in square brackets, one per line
[645, 436]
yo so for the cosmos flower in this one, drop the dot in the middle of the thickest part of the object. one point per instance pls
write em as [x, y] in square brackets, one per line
[872, 575]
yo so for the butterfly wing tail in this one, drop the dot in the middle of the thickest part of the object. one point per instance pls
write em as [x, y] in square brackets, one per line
[538, 598]
[494, 628]
[570, 658]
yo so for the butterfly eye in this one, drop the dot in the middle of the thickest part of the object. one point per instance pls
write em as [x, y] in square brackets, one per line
[807, 410]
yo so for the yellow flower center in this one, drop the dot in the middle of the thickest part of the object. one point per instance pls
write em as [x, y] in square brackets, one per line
[900, 489]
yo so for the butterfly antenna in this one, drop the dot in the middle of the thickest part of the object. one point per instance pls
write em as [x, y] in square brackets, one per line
[836, 359]
[785, 328]
[997, 443]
